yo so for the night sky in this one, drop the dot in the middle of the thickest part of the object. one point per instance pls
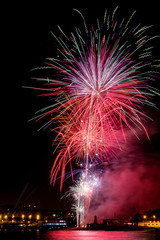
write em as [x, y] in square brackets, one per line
[27, 154]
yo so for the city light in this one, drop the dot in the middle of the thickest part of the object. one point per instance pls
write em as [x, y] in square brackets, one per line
[47, 219]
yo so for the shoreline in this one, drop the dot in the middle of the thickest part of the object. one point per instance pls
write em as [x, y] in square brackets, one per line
[110, 228]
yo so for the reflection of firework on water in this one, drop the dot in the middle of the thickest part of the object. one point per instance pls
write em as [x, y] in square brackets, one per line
[101, 89]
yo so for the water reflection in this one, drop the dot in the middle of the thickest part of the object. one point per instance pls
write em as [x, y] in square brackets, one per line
[77, 235]
[101, 235]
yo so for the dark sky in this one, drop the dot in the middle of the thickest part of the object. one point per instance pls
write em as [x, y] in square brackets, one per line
[26, 156]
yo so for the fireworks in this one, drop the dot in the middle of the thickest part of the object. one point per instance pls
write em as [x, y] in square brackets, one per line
[100, 90]
[82, 192]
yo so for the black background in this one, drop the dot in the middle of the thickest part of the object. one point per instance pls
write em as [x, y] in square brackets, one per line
[26, 156]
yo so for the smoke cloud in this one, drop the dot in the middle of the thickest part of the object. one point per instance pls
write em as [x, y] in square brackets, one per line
[132, 183]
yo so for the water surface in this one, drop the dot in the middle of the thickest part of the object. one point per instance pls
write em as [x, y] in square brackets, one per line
[77, 235]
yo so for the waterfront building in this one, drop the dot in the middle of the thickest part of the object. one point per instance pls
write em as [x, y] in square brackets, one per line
[31, 216]
[150, 219]
[150, 224]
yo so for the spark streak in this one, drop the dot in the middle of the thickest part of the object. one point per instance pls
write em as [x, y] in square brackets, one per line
[100, 90]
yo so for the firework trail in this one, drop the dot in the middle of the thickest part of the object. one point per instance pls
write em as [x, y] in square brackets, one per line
[100, 90]
[85, 141]
[82, 192]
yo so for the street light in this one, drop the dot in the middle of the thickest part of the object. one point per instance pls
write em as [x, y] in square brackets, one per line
[13, 216]
[154, 217]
